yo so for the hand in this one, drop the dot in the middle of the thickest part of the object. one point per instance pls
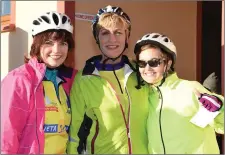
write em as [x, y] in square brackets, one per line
[210, 102]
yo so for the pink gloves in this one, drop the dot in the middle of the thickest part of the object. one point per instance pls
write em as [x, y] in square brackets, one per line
[210, 102]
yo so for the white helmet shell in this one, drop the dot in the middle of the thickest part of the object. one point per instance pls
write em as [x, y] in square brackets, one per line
[51, 21]
[159, 40]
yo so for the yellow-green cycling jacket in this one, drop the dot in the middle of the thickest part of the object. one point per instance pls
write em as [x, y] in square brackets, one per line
[110, 132]
[172, 133]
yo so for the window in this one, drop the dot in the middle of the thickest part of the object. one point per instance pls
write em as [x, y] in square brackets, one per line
[5, 8]
[7, 15]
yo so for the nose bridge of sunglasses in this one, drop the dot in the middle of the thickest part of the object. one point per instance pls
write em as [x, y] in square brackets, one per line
[155, 62]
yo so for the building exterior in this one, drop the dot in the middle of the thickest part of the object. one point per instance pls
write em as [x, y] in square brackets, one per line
[176, 19]
[180, 20]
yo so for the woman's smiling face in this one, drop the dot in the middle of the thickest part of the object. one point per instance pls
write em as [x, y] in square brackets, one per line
[54, 53]
[154, 73]
[112, 40]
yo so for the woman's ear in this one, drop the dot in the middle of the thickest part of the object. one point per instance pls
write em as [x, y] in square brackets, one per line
[169, 63]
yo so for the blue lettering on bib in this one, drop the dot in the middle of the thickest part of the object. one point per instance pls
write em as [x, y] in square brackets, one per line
[51, 128]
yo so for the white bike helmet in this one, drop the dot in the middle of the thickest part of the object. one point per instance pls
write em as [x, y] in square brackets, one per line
[109, 9]
[159, 40]
[51, 21]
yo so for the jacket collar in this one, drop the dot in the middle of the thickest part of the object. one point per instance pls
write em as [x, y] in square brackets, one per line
[40, 68]
[170, 81]
[90, 66]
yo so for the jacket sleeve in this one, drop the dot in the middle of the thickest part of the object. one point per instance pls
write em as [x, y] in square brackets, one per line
[15, 96]
[218, 123]
[78, 111]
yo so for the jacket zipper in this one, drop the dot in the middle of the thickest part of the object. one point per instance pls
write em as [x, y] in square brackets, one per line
[35, 90]
[36, 119]
[127, 122]
[128, 125]
[160, 124]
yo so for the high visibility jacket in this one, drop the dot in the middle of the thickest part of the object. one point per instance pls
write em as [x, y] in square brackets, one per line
[110, 132]
[169, 126]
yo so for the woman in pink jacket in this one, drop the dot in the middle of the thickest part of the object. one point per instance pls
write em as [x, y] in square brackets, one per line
[35, 108]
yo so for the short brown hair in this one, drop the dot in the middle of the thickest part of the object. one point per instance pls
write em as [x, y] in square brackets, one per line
[41, 38]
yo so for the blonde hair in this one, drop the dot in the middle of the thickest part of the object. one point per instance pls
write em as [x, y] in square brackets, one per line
[111, 20]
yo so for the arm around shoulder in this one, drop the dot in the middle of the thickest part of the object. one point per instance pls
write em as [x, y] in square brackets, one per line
[218, 123]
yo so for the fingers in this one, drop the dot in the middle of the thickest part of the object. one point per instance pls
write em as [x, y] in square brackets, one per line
[211, 103]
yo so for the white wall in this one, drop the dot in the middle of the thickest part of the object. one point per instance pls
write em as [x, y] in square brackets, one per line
[15, 44]
[4, 55]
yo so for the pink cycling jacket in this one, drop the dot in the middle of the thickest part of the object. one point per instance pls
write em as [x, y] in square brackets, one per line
[23, 108]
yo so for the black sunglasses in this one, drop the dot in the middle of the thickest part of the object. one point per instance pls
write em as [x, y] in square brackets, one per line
[155, 62]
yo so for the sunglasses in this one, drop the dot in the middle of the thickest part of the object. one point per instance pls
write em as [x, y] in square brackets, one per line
[155, 62]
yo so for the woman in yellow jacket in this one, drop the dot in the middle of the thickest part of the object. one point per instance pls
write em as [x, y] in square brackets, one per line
[174, 102]
[105, 104]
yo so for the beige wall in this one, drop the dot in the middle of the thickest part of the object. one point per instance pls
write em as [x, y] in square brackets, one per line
[15, 44]
[176, 19]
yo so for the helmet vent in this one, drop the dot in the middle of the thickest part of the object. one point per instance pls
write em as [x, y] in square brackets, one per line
[35, 22]
[155, 36]
[166, 40]
[147, 36]
[69, 22]
[64, 19]
[55, 18]
[45, 19]
[51, 21]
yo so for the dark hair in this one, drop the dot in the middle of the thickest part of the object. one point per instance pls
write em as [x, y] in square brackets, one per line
[41, 38]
